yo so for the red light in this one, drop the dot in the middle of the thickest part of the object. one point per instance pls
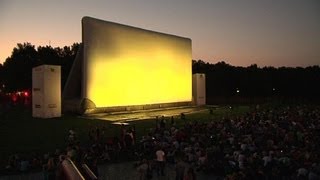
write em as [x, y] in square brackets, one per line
[14, 97]
[26, 94]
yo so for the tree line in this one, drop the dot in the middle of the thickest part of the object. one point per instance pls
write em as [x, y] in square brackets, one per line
[222, 79]
[16, 71]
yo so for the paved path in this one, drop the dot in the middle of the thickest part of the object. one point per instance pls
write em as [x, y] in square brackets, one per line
[29, 176]
[118, 171]
[145, 114]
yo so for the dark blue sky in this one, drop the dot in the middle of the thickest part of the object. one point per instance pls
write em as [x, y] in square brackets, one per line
[265, 32]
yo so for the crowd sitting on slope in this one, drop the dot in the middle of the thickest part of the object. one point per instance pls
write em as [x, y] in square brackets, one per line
[278, 143]
[264, 144]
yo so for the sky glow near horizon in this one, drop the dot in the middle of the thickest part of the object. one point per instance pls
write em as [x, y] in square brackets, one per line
[241, 33]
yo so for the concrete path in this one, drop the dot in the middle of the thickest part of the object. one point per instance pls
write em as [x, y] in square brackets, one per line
[118, 171]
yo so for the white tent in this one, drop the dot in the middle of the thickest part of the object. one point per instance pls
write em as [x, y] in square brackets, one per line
[46, 91]
[199, 89]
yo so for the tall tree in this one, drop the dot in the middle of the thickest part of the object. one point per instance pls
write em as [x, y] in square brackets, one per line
[16, 71]
[1, 78]
[17, 68]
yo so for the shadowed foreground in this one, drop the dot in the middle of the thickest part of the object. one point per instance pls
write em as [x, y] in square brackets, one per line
[120, 171]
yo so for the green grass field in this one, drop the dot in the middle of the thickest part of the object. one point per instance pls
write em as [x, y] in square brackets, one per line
[23, 134]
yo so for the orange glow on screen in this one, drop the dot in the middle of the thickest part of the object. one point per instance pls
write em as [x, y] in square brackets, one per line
[129, 66]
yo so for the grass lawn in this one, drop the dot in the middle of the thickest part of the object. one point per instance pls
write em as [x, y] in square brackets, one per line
[23, 134]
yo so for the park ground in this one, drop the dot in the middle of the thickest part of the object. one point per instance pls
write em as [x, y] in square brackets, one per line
[22, 134]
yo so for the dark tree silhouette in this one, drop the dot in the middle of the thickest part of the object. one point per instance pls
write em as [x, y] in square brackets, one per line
[223, 81]
[16, 71]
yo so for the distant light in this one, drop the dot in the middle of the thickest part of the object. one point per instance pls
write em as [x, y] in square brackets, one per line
[14, 97]
[238, 90]
[26, 94]
[273, 89]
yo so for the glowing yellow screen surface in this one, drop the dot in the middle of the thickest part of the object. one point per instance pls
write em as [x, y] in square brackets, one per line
[126, 66]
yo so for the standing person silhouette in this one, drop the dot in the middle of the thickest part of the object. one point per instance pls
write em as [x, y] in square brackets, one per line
[160, 161]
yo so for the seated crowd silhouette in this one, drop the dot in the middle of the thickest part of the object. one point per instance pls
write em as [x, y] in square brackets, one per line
[277, 143]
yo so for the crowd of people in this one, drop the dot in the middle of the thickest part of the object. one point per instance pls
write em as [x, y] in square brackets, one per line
[278, 143]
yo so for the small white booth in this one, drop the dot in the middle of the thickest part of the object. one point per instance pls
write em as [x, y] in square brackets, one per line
[199, 89]
[46, 91]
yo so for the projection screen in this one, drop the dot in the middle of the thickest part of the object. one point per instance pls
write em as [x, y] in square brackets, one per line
[126, 66]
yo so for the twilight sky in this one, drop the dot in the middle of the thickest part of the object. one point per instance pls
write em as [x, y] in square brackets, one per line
[264, 32]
